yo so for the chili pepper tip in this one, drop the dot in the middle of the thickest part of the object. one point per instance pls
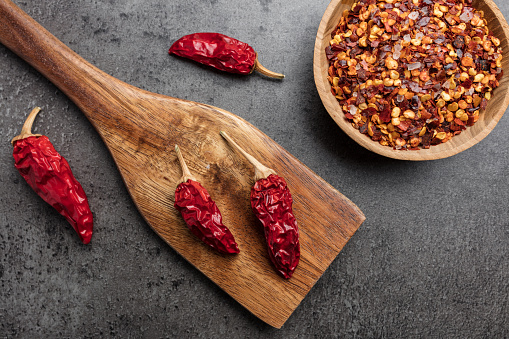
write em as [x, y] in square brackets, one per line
[26, 130]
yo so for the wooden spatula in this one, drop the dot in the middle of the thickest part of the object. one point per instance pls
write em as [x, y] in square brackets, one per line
[141, 129]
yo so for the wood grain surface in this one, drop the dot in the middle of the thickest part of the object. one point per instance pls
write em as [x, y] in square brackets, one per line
[141, 129]
[468, 138]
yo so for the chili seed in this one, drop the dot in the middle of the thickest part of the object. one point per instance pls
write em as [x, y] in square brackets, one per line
[479, 77]
[453, 107]
[425, 97]
[388, 82]
[441, 135]
[409, 114]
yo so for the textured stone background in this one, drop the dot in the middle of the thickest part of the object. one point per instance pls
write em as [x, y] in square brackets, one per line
[430, 261]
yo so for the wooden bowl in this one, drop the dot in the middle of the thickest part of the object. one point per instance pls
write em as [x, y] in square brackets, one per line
[468, 138]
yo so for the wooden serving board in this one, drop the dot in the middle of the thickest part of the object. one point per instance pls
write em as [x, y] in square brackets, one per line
[140, 130]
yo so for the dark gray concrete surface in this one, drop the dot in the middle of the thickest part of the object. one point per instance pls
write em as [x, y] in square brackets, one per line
[430, 261]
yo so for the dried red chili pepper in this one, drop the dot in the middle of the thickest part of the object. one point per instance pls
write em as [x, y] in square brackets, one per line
[221, 52]
[50, 176]
[271, 202]
[201, 213]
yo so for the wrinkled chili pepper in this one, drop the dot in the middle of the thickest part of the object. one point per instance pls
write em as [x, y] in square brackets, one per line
[201, 213]
[221, 52]
[271, 202]
[50, 176]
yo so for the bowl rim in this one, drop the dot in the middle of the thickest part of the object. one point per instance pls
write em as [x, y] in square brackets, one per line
[440, 151]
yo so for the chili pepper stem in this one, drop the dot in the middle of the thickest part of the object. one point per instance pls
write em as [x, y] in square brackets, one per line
[186, 174]
[261, 171]
[26, 130]
[260, 69]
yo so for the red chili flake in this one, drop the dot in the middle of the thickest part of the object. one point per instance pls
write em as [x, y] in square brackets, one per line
[454, 127]
[425, 114]
[392, 14]
[348, 116]
[387, 27]
[459, 41]
[364, 128]
[440, 39]
[360, 99]
[330, 53]
[484, 103]
[471, 121]
[459, 122]
[369, 112]
[467, 83]
[403, 125]
[385, 115]
[426, 140]
[441, 75]
[500, 74]
[362, 74]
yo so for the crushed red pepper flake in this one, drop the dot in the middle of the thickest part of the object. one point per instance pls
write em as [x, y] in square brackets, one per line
[413, 73]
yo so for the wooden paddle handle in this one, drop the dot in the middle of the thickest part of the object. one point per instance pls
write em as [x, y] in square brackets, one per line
[78, 79]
